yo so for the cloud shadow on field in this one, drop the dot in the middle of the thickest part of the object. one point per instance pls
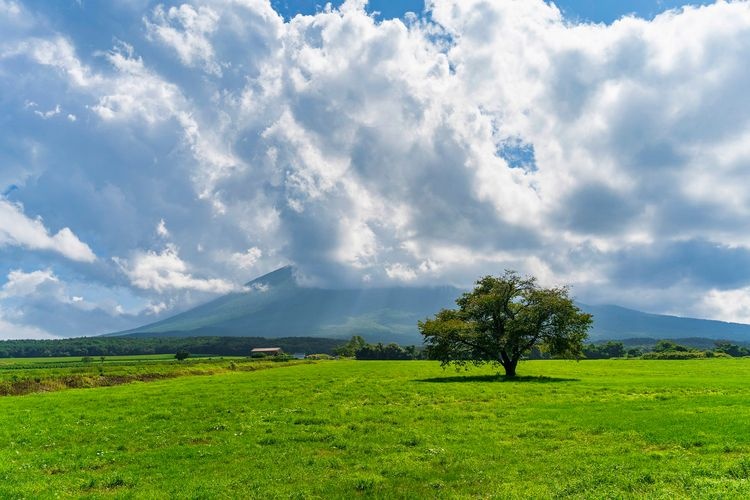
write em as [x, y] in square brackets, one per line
[495, 378]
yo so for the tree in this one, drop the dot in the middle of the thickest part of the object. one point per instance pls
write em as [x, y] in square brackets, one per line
[502, 319]
[349, 349]
[182, 354]
[611, 349]
[389, 351]
[669, 346]
[731, 349]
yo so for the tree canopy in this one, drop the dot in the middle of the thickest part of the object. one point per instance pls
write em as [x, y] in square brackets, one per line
[502, 319]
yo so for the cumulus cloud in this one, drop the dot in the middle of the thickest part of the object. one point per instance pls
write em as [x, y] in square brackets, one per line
[487, 135]
[727, 305]
[185, 30]
[164, 271]
[247, 259]
[19, 230]
[400, 272]
[40, 304]
[20, 284]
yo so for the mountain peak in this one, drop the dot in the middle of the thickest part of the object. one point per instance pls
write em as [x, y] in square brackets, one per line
[280, 276]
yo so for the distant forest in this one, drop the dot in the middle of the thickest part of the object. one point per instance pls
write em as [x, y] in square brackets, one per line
[123, 346]
[356, 347]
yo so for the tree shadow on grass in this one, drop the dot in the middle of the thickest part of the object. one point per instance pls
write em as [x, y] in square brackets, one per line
[496, 378]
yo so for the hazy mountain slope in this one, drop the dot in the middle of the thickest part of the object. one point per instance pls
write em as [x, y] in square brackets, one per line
[274, 305]
[614, 322]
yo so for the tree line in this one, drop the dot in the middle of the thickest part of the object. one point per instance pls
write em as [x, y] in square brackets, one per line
[662, 349]
[357, 347]
[126, 346]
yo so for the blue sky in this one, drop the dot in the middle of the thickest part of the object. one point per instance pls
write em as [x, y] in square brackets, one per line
[155, 155]
[599, 11]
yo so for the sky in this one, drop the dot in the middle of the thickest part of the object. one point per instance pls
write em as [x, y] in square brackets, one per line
[155, 155]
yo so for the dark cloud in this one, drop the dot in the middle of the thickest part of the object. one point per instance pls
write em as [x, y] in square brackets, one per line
[696, 262]
[598, 209]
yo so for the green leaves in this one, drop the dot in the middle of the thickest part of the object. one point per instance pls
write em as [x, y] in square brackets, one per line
[502, 319]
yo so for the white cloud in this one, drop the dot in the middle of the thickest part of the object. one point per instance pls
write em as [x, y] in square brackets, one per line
[18, 230]
[400, 272]
[388, 151]
[726, 305]
[155, 308]
[40, 285]
[161, 229]
[45, 115]
[38, 304]
[247, 259]
[135, 92]
[12, 331]
[9, 8]
[186, 30]
[56, 52]
[165, 271]
[20, 284]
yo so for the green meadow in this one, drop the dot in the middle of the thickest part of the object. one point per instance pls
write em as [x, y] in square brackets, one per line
[345, 429]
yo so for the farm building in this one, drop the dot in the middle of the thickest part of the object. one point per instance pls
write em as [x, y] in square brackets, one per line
[268, 351]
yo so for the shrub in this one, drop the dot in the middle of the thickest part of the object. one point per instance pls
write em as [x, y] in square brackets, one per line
[281, 357]
[675, 355]
[718, 354]
[318, 356]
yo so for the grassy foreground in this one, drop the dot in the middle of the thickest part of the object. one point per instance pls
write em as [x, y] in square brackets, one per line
[391, 429]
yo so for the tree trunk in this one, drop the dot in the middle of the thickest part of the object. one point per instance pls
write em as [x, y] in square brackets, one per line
[509, 364]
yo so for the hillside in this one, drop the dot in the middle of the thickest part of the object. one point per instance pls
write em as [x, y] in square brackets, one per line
[615, 322]
[274, 305]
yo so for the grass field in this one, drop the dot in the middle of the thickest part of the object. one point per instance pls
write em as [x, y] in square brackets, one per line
[20, 376]
[391, 429]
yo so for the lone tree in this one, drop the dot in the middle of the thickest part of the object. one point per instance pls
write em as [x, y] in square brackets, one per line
[502, 319]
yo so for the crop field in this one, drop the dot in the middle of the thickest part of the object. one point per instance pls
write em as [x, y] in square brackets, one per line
[27, 375]
[343, 429]
[77, 359]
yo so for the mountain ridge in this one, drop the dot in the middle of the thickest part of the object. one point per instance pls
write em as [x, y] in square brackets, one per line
[275, 305]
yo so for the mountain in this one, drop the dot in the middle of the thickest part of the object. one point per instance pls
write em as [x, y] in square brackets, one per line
[275, 305]
[615, 322]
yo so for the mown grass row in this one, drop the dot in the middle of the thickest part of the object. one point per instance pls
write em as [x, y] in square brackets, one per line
[18, 379]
